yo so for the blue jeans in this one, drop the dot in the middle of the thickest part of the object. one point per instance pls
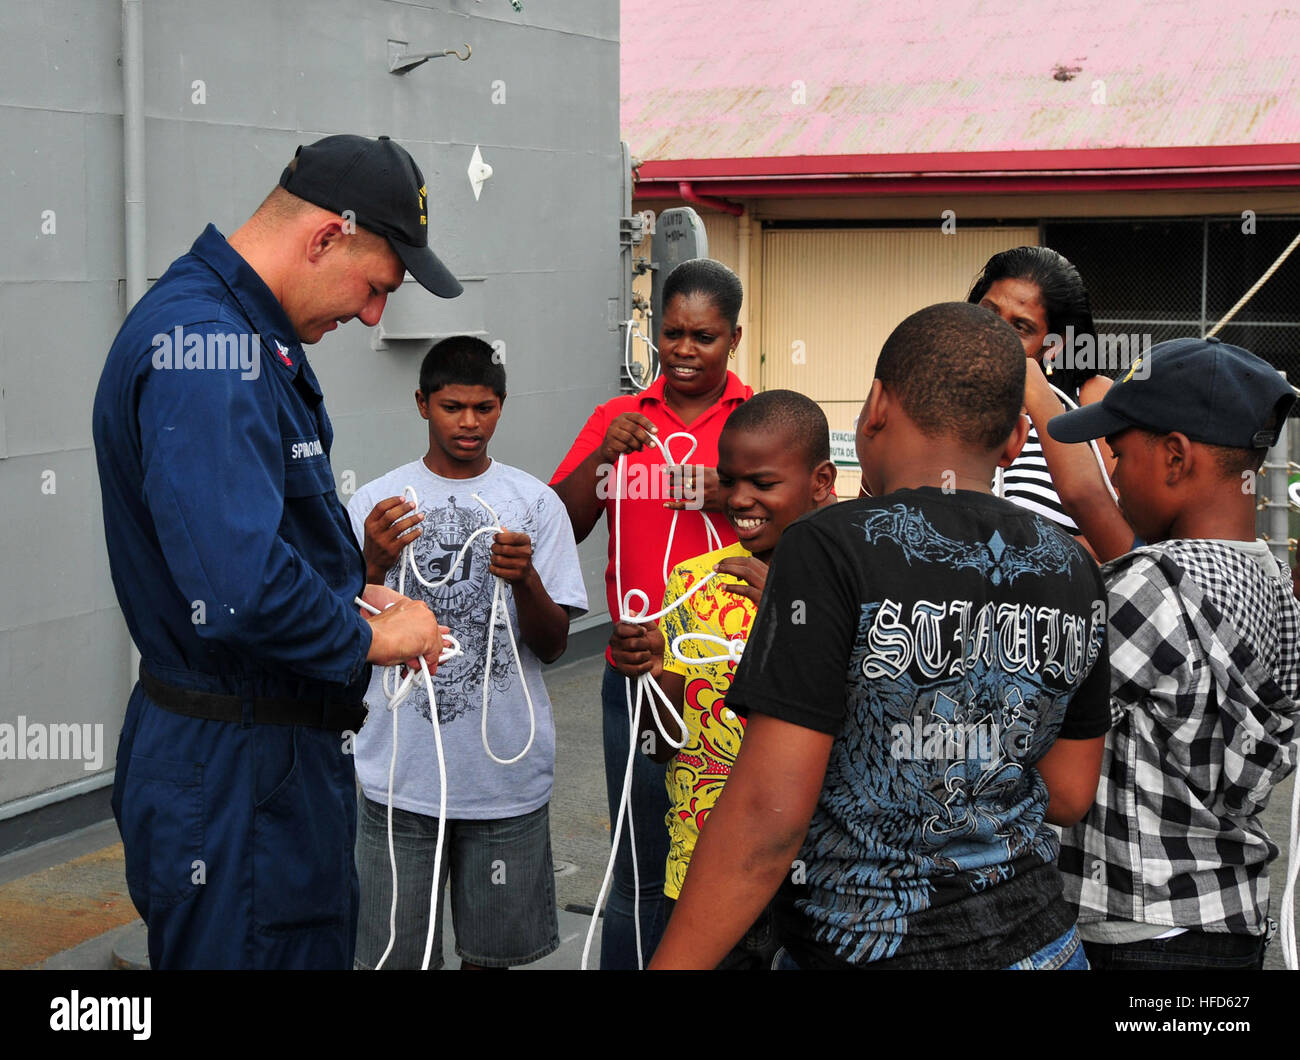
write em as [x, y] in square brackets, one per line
[649, 814]
[1064, 954]
[1191, 951]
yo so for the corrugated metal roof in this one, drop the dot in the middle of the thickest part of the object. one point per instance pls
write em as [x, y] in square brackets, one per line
[719, 78]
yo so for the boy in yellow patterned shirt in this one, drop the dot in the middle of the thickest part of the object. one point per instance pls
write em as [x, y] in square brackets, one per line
[773, 466]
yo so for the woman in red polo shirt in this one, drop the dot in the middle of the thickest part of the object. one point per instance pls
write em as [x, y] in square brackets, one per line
[694, 393]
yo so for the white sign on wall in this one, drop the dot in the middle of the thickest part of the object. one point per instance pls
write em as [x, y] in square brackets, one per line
[844, 450]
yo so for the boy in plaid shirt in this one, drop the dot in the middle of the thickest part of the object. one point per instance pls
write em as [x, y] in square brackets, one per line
[1170, 867]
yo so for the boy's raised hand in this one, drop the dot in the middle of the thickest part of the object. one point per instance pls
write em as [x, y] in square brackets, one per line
[628, 433]
[751, 571]
[637, 649]
[389, 526]
[512, 556]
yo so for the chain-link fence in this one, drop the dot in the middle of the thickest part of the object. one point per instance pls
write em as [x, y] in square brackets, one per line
[1179, 277]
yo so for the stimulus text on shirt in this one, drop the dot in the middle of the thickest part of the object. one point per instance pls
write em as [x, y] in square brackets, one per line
[1018, 637]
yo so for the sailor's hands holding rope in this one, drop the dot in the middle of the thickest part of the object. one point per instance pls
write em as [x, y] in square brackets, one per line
[403, 632]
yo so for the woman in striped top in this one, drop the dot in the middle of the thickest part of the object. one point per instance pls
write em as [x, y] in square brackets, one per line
[1040, 294]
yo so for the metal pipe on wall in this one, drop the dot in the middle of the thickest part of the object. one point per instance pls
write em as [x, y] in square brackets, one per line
[133, 157]
[133, 179]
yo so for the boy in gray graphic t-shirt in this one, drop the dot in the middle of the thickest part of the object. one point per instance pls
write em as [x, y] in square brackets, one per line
[497, 846]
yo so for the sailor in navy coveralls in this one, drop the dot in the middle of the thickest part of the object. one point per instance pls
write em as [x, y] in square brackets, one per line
[236, 569]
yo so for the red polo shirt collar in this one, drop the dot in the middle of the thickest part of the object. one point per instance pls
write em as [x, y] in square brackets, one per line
[732, 394]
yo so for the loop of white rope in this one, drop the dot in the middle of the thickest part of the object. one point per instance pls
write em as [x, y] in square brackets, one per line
[634, 607]
[397, 691]
[732, 649]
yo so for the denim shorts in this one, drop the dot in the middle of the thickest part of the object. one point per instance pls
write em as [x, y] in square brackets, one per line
[502, 888]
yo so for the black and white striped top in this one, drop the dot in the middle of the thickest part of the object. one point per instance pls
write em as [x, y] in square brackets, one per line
[1028, 483]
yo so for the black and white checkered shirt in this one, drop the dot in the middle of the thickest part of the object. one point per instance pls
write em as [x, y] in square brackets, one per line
[1205, 674]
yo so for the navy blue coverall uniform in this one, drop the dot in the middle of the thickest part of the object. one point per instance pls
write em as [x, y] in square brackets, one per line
[235, 567]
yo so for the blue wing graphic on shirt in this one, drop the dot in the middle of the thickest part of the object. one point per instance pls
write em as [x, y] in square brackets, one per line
[962, 820]
[912, 532]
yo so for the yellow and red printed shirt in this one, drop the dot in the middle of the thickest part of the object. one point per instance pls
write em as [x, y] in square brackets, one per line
[695, 777]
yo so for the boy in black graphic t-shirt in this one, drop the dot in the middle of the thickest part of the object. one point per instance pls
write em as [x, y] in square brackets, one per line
[926, 685]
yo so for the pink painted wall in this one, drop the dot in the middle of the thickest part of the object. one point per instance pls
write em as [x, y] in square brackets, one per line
[714, 78]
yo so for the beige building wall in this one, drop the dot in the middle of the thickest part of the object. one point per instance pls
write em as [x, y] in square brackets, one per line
[830, 297]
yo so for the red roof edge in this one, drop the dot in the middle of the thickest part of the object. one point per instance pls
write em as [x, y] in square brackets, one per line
[1109, 158]
[1099, 169]
[755, 189]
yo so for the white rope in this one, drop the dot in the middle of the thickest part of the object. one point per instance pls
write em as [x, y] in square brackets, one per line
[710, 532]
[634, 607]
[498, 590]
[1287, 932]
[498, 597]
[1257, 285]
[653, 369]
[732, 649]
[397, 693]
[395, 697]
[1070, 403]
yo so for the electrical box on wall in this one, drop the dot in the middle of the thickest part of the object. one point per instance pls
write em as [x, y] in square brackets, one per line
[679, 236]
[414, 315]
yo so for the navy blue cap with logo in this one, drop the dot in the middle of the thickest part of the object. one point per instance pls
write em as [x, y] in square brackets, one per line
[1206, 389]
[381, 185]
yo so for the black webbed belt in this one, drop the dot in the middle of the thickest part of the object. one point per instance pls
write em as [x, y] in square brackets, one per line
[336, 715]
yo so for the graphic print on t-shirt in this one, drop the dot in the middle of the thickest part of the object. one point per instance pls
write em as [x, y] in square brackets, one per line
[923, 543]
[479, 788]
[464, 604]
[956, 696]
[697, 773]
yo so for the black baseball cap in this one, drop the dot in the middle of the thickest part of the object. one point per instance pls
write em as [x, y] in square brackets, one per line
[1210, 391]
[383, 187]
